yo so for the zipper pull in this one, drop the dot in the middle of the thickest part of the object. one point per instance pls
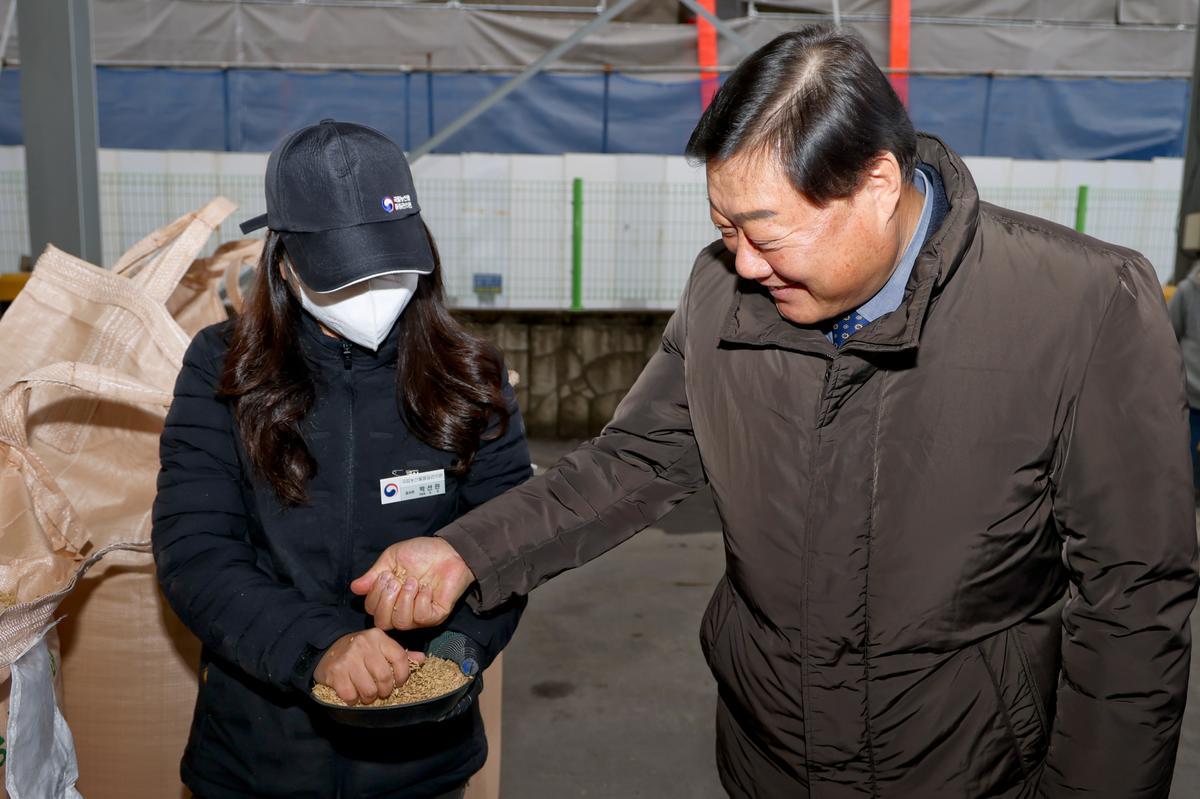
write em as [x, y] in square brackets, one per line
[347, 354]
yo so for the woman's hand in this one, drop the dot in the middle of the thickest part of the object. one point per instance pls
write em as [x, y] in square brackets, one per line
[362, 667]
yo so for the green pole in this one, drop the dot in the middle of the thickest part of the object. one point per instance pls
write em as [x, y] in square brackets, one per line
[577, 245]
[1081, 209]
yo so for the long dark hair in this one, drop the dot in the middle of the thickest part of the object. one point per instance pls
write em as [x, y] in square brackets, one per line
[449, 384]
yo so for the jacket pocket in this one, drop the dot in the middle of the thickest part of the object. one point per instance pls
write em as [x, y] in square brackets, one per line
[201, 718]
[218, 750]
[1029, 677]
[1020, 704]
[1038, 641]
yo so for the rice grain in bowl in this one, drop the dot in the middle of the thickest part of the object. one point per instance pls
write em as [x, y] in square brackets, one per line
[427, 680]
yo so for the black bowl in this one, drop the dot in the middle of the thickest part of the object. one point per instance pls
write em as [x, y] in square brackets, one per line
[434, 709]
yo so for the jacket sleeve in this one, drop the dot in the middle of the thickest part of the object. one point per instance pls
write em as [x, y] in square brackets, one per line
[1123, 501]
[644, 463]
[501, 464]
[206, 566]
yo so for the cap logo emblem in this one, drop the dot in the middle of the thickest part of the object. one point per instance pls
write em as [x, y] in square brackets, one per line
[398, 202]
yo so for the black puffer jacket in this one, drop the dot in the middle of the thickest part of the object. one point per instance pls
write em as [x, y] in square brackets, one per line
[266, 589]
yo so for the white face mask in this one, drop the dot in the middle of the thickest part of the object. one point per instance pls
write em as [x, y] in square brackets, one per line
[364, 312]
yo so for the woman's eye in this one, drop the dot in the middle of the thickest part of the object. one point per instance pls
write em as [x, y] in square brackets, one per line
[726, 232]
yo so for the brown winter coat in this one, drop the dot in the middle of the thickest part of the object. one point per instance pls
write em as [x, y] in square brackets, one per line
[960, 550]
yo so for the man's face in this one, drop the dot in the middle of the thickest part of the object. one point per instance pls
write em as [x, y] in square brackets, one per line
[818, 263]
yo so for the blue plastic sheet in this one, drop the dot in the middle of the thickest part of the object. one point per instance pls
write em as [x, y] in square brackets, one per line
[549, 114]
[1087, 119]
[146, 109]
[649, 117]
[953, 108]
[139, 107]
[265, 105]
[1054, 118]
[10, 107]
[250, 110]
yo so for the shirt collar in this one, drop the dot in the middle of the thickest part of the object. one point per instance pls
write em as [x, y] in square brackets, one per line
[891, 295]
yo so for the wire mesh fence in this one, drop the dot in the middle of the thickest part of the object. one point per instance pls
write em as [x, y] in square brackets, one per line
[639, 242]
[1055, 204]
[1142, 220]
[134, 203]
[14, 220]
[519, 231]
[509, 243]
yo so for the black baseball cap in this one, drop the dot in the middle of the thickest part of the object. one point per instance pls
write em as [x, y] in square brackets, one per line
[342, 196]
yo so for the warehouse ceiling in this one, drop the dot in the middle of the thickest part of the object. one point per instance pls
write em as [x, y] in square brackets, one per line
[1129, 12]
[1122, 38]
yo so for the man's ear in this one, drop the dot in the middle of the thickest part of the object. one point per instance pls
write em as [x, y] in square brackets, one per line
[883, 183]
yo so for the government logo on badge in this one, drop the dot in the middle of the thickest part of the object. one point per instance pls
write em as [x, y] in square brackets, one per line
[398, 202]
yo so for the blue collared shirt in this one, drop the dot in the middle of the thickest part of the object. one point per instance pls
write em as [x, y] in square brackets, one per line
[891, 295]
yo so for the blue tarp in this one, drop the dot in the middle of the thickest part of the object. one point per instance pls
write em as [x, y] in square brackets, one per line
[249, 110]
[1088, 118]
[10, 107]
[549, 114]
[1054, 118]
[649, 117]
[264, 106]
[137, 107]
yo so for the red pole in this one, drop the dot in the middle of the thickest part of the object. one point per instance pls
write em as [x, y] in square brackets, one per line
[901, 29]
[706, 54]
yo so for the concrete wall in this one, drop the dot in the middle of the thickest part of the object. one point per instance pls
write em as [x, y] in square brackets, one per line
[574, 367]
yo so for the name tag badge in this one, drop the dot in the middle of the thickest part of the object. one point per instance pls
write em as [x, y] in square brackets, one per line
[415, 485]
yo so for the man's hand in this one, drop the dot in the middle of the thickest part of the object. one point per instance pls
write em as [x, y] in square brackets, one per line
[415, 583]
[364, 666]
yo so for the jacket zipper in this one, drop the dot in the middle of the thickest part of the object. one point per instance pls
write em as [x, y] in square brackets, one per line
[348, 551]
[806, 600]
[821, 409]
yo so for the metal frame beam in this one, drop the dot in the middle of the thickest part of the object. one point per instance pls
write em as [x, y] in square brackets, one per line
[552, 55]
[510, 86]
[58, 120]
[723, 27]
[8, 24]
[421, 4]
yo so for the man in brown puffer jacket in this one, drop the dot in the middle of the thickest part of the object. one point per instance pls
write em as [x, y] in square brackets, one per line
[948, 444]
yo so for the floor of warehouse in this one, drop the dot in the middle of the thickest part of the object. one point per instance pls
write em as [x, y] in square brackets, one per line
[606, 693]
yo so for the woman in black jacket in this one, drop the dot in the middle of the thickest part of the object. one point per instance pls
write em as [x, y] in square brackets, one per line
[342, 411]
